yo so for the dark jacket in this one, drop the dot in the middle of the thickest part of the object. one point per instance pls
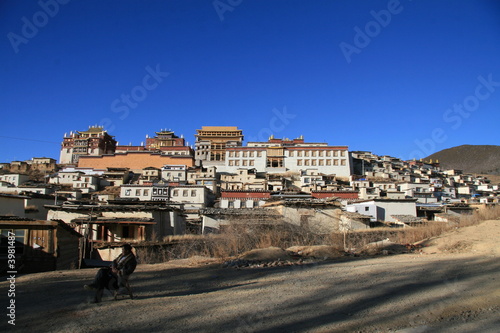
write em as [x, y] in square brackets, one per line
[126, 264]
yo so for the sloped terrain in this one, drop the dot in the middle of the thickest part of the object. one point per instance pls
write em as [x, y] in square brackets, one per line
[446, 287]
[481, 159]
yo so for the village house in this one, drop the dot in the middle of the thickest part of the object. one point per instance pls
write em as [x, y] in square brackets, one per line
[12, 205]
[139, 192]
[411, 188]
[311, 180]
[40, 245]
[19, 167]
[189, 198]
[381, 210]
[42, 164]
[150, 175]
[243, 179]
[34, 205]
[116, 176]
[8, 188]
[174, 174]
[385, 185]
[67, 178]
[193, 197]
[393, 194]
[243, 198]
[121, 221]
[207, 177]
[72, 194]
[369, 193]
[465, 191]
[359, 183]
[77, 180]
[87, 184]
[278, 182]
[15, 179]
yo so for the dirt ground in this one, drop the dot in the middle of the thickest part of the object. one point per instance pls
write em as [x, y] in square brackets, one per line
[451, 285]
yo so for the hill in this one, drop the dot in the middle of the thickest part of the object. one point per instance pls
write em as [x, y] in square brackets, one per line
[481, 159]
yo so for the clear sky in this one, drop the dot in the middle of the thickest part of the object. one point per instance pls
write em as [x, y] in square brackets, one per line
[401, 78]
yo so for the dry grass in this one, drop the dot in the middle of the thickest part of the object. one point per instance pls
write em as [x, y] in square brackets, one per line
[358, 239]
[237, 238]
[481, 214]
[457, 247]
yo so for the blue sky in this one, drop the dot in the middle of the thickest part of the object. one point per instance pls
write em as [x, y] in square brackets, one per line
[401, 78]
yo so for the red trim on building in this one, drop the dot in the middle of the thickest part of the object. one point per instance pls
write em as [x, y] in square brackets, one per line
[336, 194]
[246, 194]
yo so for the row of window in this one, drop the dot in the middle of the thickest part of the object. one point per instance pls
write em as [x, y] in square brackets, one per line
[246, 204]
[128, 192]
[318, 153]
[292, 153]
[184, 193]
[160, 191]
[328, 162]
[245, 154]
[175, 153]
[179, 174]
[243, 163]
[278, 163]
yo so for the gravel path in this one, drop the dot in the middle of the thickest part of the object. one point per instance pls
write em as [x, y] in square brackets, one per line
[435, 291]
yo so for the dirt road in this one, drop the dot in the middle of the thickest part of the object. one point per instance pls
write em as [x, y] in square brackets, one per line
[448, 287]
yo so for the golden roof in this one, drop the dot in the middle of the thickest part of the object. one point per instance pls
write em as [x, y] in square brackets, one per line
[219, 128]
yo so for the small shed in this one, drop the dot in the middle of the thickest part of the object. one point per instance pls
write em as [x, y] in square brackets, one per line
[40, 245]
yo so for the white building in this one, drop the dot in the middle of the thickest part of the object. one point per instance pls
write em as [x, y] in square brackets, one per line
[14, 178]
[311, 180]
[174, 173]
[192, 196]
[243, 179]
[77, 180]
[284, 155]
[383, 209]
[40, 189]
[411, 188]
[203, 176]
[150, 175]
[65, 177]
[133, 191]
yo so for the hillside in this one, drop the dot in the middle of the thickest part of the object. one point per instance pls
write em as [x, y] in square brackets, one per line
[480, 159]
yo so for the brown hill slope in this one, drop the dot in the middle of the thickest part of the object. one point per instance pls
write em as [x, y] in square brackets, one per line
[482, 159]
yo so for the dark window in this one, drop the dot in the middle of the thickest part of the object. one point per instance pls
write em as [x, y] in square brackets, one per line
[19, 237]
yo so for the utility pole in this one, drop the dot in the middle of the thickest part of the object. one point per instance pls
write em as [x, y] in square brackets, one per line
[83, 247]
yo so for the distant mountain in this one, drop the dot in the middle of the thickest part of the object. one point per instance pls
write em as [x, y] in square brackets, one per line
[482, 159]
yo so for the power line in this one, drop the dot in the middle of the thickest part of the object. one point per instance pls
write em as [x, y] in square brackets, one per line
[23, 139]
